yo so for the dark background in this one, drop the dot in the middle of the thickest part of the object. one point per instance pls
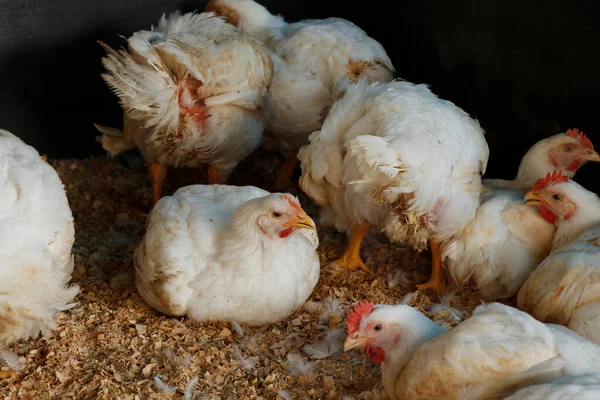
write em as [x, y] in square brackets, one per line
[524, 69]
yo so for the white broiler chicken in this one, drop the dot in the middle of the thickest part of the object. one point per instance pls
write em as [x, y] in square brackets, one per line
[227, 253]
[493, 352]
[36, 237]
[313, 60]
[508, 239]
[397, 157]
[193, 91]
[565, 287]
[584, 387]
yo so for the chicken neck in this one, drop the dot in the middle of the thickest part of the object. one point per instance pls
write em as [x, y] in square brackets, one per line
[350, 259]
[158, 173]
[437, 281]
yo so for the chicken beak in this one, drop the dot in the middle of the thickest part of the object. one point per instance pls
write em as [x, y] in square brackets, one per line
[593, 156]
[356, 342]
[302, 221]
[532, 199]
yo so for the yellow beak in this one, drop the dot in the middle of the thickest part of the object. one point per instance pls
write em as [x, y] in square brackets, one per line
[593, 156]
[356, 342]
[532, 199]
[302, 221]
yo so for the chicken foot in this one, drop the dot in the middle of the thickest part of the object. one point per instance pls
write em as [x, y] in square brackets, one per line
[286, 171]
[437, 281]
[350, 259]
[7, 374]
[158, 173]
[216, 176]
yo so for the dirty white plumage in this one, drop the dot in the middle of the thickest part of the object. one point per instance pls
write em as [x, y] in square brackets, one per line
[508, 239]
[36, 237]
[222, 253]
[312, 59]
[584, 387]
[499, 348]
[193, 90]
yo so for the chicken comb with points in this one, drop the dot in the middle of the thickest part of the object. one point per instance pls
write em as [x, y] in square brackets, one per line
[359, 311]
[549, 180]
[293, 202]
[580, 137]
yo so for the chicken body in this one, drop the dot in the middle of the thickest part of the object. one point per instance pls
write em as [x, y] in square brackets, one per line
[193, 91]
[396, 156]
[493, 352]
[36, 237]
[508, 239]
[213, 252]
[314, 60]
[585, 387]
[565, 288]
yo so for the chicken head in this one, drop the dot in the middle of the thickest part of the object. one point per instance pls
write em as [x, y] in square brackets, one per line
[281, 214]
[549, 195]
[572, 150]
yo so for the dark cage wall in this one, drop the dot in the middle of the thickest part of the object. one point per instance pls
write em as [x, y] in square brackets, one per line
[525, 70]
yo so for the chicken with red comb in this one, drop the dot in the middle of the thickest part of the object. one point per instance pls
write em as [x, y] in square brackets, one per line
[563, 288]
[194, 91]
[508, 239]
[497, 349]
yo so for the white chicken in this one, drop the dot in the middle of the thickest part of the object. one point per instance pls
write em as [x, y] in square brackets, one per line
[584, 387]
[565, 287]
[397, 157]
[313, 60]
[195, 90]
[493, 352]
[508, 239]
[227, 253]
[36, 237]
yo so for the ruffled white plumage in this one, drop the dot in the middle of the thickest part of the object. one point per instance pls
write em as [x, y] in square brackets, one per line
[36, 237]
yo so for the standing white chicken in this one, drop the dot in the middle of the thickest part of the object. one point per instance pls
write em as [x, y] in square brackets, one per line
[312, 59]
[227, 253]
[193, 91]
[565, 287]
[36, 237]
[396, 156]
[498, 349]
[508, 239]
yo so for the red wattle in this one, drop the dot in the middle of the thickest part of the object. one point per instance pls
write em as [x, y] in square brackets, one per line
[285, 233]
[574, 166]
[547, 215]
[375, 354]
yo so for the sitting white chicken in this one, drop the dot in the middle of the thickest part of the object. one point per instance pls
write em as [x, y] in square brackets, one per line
[498, 349]
[584, 387]
[193, 91]
[312, 59]
[227, 253]
[565, 287]
[36, 237]
[508, 239]
[397, 157]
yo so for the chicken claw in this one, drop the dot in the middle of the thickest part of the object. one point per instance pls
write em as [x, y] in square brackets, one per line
[437, 281]
[350, 259]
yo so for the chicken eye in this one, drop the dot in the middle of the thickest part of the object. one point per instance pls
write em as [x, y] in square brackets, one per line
[377, 327]
[568, 149]
[557, 197]
[276, 214]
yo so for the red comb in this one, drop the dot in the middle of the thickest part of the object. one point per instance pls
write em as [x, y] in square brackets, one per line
[292, 202]
[580, 137]
[549, 180]
[359, 311]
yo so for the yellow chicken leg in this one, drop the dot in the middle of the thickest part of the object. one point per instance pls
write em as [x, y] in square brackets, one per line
[350, 259]
[158, 173]
[437, 281]
[285, 172]
[216, 176]
[7, 374]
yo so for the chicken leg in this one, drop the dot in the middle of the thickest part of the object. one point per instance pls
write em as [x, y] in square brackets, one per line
[158, 173]
[285, 172]
[7, 374]
[437, 281]
[216, 176]
[350, 259]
